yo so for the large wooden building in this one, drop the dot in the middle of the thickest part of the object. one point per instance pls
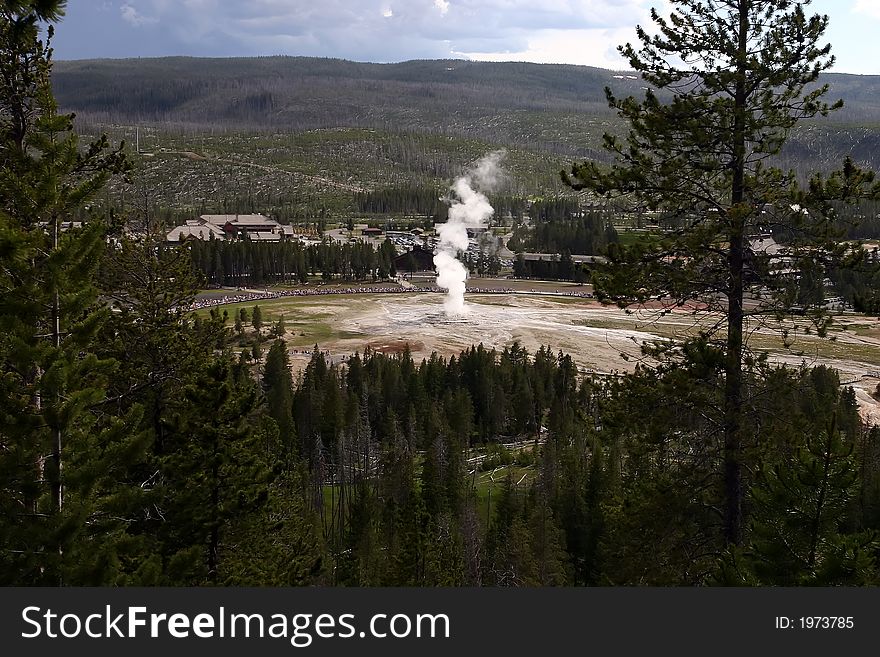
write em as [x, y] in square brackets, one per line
[255, 227]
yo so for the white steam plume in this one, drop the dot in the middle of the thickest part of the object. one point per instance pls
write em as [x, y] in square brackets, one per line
[469, 211]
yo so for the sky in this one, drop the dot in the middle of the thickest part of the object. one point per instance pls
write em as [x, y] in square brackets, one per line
[546, 31]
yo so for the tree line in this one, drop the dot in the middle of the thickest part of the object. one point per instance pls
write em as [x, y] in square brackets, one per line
[429, 202]
[584, 234]
[403, 200]
[246, 262]
[554, 268]
[389, 447]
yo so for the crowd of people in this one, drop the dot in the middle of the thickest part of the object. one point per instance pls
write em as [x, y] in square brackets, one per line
[246, 297]
[255, 296]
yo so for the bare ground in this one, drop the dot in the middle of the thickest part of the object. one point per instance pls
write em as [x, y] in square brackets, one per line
[599, 338]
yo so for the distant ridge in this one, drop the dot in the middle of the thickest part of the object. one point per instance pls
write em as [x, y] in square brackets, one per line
[221, 89]
[555, 108]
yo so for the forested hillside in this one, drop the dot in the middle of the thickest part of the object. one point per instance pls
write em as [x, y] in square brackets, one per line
[496, 102]
[551, 110]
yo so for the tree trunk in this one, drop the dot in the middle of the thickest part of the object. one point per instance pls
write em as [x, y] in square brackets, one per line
[214, 534]
[57, 489]
[816, 520]
[733, 487]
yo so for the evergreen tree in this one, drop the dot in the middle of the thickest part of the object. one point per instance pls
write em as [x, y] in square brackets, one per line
[729, 82]
[509, 558]
[278, 330]
[257, 319]
[278, 388]
[276, 544]
[51, 380]
[213, 476]
[799, 507]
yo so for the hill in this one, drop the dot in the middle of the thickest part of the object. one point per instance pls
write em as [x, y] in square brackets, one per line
[334, 126]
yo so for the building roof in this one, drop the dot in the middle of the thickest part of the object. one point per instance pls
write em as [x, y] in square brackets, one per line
[63, 226]
[200, 232]
[238, 219]
[258, 226]
[765, 244]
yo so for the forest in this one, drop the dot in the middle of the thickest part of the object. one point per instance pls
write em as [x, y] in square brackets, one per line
[301, 138]
[142, 444]
[242, 263]
[583, 233]
[507, 104]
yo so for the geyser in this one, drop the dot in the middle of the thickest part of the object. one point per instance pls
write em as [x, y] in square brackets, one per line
[470, 209]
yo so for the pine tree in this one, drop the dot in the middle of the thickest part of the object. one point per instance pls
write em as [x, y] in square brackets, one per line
[730, 80]
[799, 509]
[509, 557]
[257, 319]
[276, 544]
[278, 388]
[278, 330]
[49, 312]
[214, 475]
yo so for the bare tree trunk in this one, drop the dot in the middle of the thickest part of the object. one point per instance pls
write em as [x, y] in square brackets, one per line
[733, 487]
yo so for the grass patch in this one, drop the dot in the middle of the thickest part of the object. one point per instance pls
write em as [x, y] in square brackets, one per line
[629, 238]
[867, 330]
[314, 333]
[568, 301]
[818, 348]
[488, 487]
[607, 324]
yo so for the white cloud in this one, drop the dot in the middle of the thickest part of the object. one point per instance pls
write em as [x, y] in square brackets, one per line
[133, 17]
[597, 47]
[571, 31]
[868, 7]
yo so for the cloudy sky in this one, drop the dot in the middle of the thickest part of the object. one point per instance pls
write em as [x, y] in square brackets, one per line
[549, 31]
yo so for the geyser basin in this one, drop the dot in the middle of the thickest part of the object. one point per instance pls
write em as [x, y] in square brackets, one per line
[594, 336]
[580, 329]
[430, 312]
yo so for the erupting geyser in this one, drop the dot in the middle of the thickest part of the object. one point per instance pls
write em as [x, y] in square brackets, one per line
[469, 211]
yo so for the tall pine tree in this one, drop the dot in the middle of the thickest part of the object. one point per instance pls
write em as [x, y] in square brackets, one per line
[729, 81]
[49, 311]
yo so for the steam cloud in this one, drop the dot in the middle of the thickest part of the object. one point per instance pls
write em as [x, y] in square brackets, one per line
[469, 211]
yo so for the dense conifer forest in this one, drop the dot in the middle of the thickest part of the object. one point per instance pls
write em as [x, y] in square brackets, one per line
[142, 444]
[244, 263]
